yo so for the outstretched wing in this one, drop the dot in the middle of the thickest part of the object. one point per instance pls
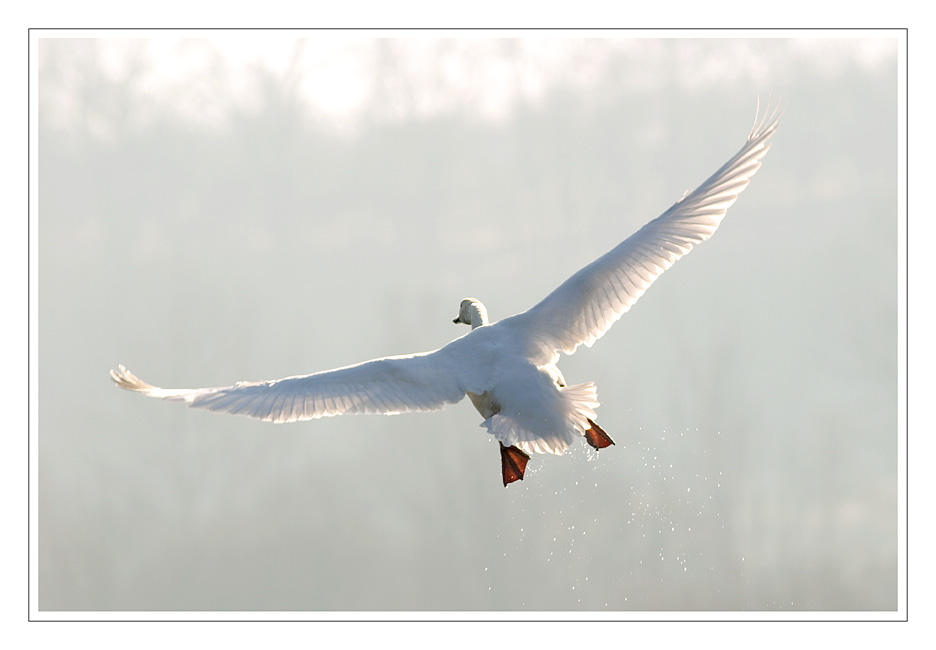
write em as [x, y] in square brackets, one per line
[389, 385]
[585, 306]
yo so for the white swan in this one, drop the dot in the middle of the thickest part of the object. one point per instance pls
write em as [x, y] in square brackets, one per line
[508, 368]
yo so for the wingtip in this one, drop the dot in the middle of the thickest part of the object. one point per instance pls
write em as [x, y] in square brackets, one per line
[767, 122]
[125, 379]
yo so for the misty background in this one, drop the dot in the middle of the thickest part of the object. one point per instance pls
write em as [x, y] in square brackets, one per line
[253, 207]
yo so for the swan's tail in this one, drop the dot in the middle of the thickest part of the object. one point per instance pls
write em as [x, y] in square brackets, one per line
[548, 429]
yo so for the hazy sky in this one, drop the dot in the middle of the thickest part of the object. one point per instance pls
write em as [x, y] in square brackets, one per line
[340, 79]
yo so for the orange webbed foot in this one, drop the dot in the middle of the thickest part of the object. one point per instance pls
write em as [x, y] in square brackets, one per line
[596, 436]
[513, 463]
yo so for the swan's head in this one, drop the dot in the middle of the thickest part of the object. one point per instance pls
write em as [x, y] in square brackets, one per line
[472, 312]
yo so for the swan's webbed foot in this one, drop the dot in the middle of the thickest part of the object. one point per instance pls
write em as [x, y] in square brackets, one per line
[596, 436]
[513, 463]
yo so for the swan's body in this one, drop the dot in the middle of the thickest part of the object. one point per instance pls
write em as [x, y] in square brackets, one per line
[508, 368]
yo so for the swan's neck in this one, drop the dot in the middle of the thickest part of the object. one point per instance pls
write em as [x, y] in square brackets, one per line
[477, 314]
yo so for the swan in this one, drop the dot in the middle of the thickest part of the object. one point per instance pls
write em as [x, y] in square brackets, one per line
[508, 368]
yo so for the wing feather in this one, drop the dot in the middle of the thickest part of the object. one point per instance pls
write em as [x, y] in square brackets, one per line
[585, 306]
[389, 385]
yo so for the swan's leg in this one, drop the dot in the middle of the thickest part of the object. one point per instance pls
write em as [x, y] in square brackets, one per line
[596, 436]
[513, 463]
